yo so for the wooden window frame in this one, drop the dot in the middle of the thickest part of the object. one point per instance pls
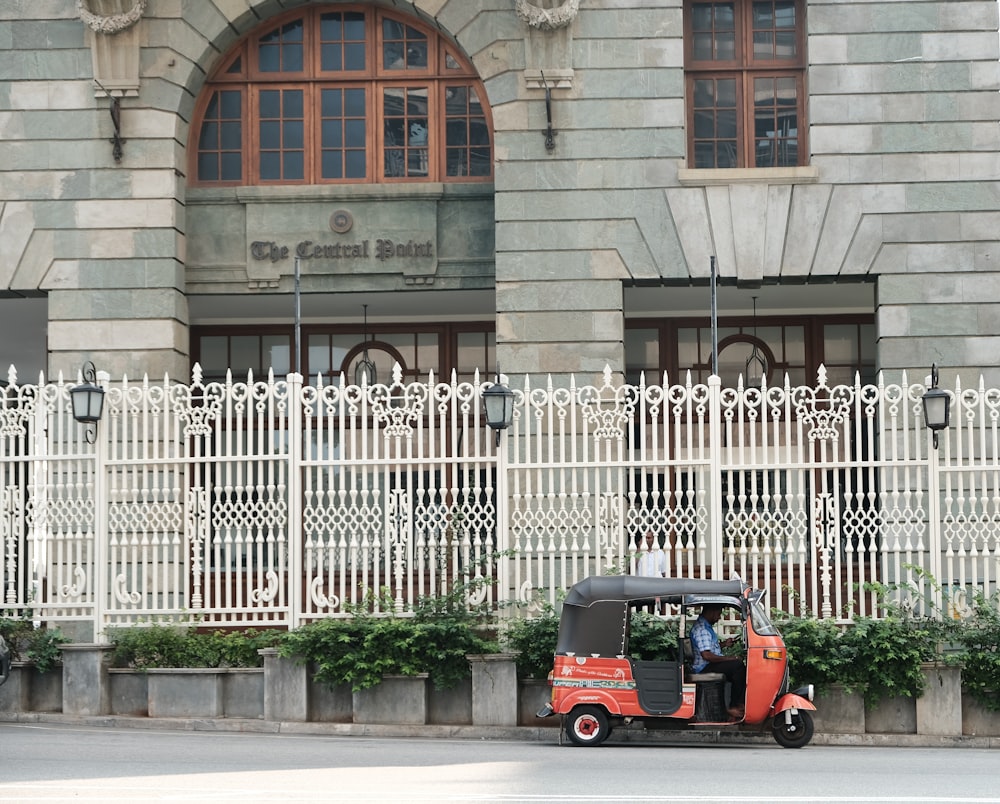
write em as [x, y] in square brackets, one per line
[435, 78]
[744, 68]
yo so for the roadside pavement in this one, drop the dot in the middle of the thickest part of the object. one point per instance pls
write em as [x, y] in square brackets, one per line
[632, 734]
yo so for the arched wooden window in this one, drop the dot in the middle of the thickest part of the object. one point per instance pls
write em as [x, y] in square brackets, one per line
[345, 94]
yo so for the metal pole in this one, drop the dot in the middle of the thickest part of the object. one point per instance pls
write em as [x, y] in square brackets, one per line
[298, 321]
[715, 324]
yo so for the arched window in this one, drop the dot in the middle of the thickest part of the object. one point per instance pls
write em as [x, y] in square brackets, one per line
[341, 94]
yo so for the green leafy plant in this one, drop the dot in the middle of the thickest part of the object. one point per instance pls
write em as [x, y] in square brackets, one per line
[652, 638]
[534, 640]
[979, 636]
[359, 650]
[161, 646]
[40, 646]
[814, 655]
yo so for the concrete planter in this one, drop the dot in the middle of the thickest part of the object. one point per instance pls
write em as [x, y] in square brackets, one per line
[129, 692]
[839, 711]
[977, 720]
[330, 705]
[939, 709]
[15, 694]
[494, 689]
[186, 692]
[451, 707]
[892, 716]
[532, 695]
[243, 692]
[401, 700]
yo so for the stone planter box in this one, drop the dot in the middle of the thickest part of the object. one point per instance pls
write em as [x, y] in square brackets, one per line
[939, 709]
[451, 707]
[15, 694]
[129, 692]
[27, 690]
[892, 716]
[839, 711]
[532, 695]
[186, 692]
[330, 705]
[977, 720]
[243, 692]
[401, 700]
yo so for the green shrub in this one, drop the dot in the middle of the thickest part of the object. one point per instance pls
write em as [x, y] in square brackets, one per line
[359, 650]
[813, 652]
[40, 646]
[652, 638]
[534, 640]
[159, 645]
[979, 636]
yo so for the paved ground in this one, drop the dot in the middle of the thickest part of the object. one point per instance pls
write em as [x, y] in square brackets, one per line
[632, 734]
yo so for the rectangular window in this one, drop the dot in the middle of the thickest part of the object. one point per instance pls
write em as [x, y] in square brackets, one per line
[342, 37]
[343, 134]
[467, 138]
[282, 134]
[745, 68]
[405, 145]
[220, 142]
[281, 50]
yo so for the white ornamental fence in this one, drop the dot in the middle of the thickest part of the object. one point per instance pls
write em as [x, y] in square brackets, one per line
[274, 502]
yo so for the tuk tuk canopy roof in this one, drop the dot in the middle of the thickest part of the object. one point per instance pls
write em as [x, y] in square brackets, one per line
[626, 588]
[595, 614]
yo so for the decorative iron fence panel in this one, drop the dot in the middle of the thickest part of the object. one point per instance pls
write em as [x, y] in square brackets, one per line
[274, 502]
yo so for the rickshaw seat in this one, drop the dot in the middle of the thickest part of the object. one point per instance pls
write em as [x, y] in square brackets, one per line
[710, 688]
[689, 674]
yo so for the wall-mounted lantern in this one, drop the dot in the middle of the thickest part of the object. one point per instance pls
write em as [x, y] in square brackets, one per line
[498, 403]
[88, 401]
[937, 406]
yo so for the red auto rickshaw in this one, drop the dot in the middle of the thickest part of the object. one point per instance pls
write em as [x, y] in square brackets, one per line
[597, 686]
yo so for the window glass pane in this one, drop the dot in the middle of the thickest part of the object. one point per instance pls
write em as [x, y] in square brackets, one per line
[214, 357]
[270, 103]
[270, 166]
[427, 352]
[232, 137]
[332, 134]
[355, 133]
[293, 102]
[840, 343]
[354, 102]
[232, 167]
[471, 352]
[642, 351]
[294, 165]
[277, 354]
[318, 350]
[245, 352]
[292, 134]
[404, 48]
[687, 349]
[232, 106]
[208, 167]
[270, 134]
[795, 345]
[209, 139]
[867, 339]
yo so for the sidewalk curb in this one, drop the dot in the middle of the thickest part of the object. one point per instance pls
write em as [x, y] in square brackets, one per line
[632, 735]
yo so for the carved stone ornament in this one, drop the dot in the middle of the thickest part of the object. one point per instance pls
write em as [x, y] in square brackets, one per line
[110, 23]
[547, 19]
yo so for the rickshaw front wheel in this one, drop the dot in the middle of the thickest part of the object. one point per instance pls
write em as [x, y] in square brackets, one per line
[795, 734]
[587, 725]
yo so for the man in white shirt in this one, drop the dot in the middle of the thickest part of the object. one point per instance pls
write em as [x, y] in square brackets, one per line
[651, 561]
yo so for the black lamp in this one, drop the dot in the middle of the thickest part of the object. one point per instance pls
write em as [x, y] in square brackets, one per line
[364, 371]
[498, 402]
[88, 401]
[937, 406]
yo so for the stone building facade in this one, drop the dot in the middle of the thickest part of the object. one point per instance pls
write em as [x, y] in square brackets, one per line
[838, 161]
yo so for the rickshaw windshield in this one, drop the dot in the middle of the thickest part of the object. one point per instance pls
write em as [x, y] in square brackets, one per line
[760, 618]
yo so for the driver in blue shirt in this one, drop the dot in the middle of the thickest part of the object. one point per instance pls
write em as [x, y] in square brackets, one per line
[708, 658]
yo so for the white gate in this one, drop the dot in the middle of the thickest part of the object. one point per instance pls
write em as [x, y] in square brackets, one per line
[274, 502]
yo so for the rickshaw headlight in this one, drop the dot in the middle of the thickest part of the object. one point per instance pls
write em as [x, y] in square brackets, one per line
[774, 653]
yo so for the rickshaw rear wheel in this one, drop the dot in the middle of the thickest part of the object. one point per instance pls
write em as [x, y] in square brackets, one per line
[795, 734]
[587, 725]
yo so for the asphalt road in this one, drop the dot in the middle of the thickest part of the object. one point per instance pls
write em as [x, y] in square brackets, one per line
[56, 762]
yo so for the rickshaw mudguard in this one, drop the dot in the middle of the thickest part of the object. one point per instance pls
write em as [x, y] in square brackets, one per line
[792, 701]
[588, 697]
